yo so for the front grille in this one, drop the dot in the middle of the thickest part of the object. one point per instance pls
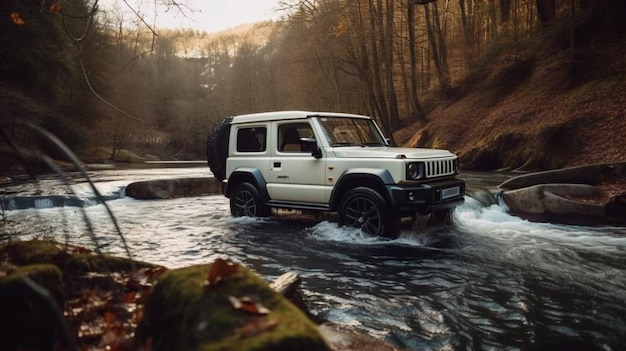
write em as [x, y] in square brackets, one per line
[440, 168]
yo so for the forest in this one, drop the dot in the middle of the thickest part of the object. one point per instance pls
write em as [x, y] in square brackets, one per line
[121, 90]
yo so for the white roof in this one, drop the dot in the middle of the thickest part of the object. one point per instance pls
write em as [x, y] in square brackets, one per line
[285, 115]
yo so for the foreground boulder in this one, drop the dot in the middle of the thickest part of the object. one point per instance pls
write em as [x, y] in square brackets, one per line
[223, 306]
[585, 195]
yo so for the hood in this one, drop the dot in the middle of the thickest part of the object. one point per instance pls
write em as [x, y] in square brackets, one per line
[390, 152]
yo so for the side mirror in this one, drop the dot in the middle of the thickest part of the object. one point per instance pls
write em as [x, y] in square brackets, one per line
[317, 153]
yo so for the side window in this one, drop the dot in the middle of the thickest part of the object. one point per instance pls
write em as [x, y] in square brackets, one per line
[251, 139]
[295, 137]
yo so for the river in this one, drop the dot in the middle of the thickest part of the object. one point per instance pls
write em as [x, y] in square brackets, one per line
[489, 281]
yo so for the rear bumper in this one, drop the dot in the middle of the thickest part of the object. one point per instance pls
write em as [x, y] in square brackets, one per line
[427, 197]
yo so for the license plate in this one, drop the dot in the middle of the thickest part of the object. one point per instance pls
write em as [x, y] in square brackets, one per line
[450, 192]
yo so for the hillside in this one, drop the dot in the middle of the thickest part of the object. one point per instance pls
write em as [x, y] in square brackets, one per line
[530, 107]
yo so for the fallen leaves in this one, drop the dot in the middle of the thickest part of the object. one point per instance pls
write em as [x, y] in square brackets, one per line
[220, 270]
[107, 315]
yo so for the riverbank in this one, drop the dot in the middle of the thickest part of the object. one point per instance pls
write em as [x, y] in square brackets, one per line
[531, 107]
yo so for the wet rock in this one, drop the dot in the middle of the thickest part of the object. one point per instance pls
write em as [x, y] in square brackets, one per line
[590, 174]
[172, 188]
[569, 195]
[550, 203]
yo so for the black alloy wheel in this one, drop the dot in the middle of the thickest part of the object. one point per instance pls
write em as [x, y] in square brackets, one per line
[246, 201]
[365, 209]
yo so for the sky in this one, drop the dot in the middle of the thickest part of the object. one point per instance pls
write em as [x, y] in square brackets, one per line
[208, 15]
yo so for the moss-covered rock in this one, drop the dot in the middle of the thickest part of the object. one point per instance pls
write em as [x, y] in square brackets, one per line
[184, 313]
[31, 298]
[71, 259]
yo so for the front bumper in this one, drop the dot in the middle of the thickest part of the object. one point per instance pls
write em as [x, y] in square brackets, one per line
[427, 197]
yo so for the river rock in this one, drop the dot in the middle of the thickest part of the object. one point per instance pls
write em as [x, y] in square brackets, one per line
[590, 174]
[567, 195]
[172, 188]
[550, 203]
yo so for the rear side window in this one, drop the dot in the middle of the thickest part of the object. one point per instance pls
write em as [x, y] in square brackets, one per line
[251, 139]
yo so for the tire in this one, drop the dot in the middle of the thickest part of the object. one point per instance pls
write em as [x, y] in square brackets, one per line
[246, 201]
[365, 209]
[217, 147]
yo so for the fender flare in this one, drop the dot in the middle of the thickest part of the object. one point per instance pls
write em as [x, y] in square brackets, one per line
[250, 175]
[381, 177]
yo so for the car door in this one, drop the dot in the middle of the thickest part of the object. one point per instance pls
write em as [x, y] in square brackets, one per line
[295, 174]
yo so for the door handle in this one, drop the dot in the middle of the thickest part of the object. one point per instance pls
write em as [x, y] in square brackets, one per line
[277, 164]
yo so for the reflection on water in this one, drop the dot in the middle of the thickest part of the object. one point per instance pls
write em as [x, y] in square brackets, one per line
[489, 281]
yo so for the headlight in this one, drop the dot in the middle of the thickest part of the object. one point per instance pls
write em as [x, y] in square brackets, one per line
[415, 170]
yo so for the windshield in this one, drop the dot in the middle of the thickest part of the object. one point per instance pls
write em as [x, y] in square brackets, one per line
[342, 131]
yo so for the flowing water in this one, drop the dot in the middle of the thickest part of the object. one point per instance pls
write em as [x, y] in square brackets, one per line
[489, 281]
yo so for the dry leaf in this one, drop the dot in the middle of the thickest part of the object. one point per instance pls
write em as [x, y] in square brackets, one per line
[248, 305]
[55, 7]
[110, 318]
[16, 18]
[219, 270]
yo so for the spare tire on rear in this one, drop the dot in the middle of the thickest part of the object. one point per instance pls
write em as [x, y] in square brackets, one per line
[217, 147]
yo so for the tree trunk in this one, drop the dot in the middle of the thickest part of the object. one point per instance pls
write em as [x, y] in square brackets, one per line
[493, 20]
[435, 38]
[505, 11]
[375, 16]
[392, 99]
[546, 10]
[413, 99]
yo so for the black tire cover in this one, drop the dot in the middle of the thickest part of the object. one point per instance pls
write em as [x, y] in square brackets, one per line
[217, 147]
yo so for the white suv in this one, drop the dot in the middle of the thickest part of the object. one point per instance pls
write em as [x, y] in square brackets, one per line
[330, 162]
